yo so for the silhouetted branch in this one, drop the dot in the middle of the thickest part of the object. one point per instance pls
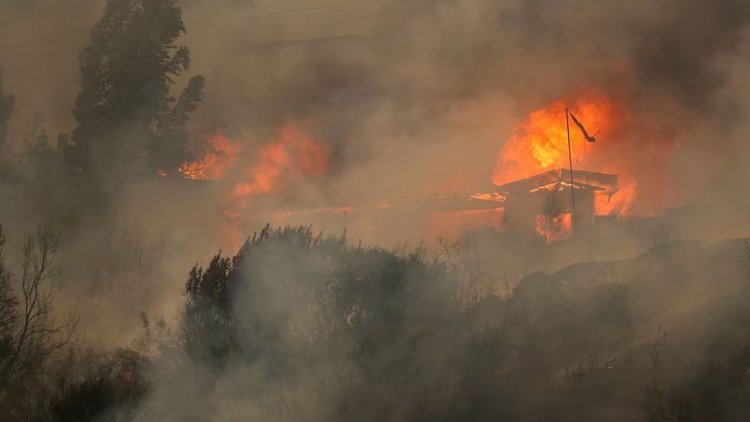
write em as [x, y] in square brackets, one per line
[35, 335]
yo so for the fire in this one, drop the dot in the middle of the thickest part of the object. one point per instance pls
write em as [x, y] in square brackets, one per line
[292, 153]
[290, 156]
[554, 227]
[215, 164]
[537, 145]
[621, 203]
[540, 142]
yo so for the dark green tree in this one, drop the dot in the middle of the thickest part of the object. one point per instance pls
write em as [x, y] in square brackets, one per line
[125, 109]
[245, 306]
[7, 102]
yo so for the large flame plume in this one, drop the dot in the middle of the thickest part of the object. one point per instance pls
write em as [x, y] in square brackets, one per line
[540, 143]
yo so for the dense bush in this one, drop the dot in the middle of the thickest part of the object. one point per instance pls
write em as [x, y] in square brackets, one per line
[303, 327]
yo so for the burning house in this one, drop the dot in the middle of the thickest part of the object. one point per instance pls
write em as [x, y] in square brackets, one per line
[552, 203]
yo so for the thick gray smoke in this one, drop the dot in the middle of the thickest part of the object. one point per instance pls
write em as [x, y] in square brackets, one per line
[423, 86]
[410, 97]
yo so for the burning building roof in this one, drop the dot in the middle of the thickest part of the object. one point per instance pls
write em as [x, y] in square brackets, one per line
[559, 179]
[551, 203]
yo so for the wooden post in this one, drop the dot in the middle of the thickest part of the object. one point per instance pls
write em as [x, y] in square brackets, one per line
[570, 160]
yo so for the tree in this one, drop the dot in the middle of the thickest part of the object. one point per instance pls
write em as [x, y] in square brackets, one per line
[271, 301]
[7, 102]
[94, 385]
[28, 333]
[124, 108]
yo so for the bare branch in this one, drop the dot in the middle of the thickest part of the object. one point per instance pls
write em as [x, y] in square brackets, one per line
[34, 336]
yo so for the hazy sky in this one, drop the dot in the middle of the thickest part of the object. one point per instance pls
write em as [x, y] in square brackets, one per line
[41, 40]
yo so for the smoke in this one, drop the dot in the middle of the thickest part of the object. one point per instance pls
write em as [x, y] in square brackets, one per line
[39, 50]
[444, 85]
[414, 85]
[409, 98]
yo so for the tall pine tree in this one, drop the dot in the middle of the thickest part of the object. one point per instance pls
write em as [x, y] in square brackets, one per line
[124, 109]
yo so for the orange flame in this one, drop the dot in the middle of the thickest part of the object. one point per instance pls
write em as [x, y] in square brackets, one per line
[215, 164]
[292, 152]
[621, 203]
[540, 143]
[554, 228]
